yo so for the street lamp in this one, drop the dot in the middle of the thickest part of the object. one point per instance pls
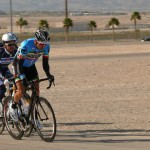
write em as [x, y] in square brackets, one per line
[66, 8]
[11, 20]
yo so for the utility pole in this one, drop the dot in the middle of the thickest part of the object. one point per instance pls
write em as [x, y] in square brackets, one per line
[66, 8]
[11, 20]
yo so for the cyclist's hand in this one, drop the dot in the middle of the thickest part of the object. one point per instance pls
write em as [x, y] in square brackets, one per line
[51, 77]
[6, 83]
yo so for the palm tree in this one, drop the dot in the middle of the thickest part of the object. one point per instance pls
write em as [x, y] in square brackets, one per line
[92, 25]
[135, 15]
[43, 24]
[113, 22]
[67, 24]
[21, 22]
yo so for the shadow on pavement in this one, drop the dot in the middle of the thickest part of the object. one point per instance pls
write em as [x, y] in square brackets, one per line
[96, 136]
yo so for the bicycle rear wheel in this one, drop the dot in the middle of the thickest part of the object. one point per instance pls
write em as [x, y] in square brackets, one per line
[2, 124]
[28, 131]
[13, 128]
[2, 121]
[44, 119]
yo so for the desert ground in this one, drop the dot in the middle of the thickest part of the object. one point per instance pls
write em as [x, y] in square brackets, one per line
[101, 86]
[101, 98]
[57, 21]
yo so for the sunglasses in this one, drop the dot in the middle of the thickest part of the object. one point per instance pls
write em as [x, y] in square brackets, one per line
[41, 44]
[10, 44]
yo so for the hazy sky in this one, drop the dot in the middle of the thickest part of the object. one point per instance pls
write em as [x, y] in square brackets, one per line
[51, 5]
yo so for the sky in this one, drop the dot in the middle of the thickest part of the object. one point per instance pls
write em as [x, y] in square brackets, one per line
[55, 5]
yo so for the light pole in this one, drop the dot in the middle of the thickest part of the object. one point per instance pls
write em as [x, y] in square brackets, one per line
[66, 8]
[11, 20]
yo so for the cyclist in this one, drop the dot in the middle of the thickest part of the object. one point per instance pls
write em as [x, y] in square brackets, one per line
[8, 50]
[24, 63]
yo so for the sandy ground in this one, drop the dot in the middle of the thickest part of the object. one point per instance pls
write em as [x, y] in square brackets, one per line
[104, 92]
[101, 98]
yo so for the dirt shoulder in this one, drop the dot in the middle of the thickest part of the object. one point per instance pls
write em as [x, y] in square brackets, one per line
[103, 48]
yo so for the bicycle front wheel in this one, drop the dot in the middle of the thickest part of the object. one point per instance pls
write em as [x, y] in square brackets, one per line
[44, 119]
[13, 128]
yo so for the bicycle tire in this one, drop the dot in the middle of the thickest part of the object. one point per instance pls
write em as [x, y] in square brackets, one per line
[48, 131]
[2, 124]
[28, 131]
[2, 121]
[13, 128]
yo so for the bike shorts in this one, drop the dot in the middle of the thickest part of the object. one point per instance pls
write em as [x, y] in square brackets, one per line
[30, 73]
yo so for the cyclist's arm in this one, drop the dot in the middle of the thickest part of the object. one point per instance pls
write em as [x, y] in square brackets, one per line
[5, 73]
[46, 66]
[20, 67]
[18, 62]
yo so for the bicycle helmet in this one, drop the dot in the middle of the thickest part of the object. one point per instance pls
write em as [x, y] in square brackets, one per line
[7, 37]
[42, 36]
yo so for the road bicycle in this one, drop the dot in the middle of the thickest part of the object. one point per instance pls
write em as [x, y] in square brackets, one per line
[6, 99]
[40, 115]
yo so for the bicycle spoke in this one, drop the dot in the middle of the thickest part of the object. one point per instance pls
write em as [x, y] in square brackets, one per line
[13, 128]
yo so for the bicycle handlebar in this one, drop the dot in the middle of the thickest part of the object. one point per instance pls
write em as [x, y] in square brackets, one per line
[41, 80]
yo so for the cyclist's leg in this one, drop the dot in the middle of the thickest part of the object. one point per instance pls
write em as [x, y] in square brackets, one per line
[32, 74]
[19, 93]
[17, 97]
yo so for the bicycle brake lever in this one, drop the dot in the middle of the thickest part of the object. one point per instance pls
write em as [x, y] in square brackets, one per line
[50, 84]
[53, 83]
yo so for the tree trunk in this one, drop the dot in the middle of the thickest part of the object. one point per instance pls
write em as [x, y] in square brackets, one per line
[91, 35]
[21, 33]
[67, 34]
[135, 29]
[113, 32]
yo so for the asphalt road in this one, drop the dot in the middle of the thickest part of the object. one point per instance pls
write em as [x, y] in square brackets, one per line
[89, 140]
[84, 139]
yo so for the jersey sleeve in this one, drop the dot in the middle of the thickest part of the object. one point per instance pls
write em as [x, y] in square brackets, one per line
[46, 66]
[22, 51]
[19, 59]
[46, 53]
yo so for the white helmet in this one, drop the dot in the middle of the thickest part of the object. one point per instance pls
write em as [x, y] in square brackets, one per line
[9, 37]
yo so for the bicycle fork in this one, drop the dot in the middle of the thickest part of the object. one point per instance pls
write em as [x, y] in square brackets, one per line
[37, 114]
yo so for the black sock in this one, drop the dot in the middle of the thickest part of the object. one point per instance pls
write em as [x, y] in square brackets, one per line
[14, 105]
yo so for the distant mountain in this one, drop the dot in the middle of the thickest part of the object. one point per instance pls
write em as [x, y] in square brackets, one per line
[85, 5]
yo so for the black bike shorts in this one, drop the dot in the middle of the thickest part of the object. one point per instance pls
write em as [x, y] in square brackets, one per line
[30, 73]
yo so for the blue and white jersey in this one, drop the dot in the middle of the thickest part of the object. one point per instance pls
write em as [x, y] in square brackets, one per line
[29, 52]
[6, 58]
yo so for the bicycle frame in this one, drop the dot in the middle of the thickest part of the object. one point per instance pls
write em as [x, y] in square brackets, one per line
[34, 98]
